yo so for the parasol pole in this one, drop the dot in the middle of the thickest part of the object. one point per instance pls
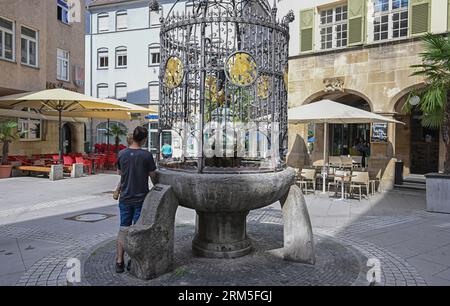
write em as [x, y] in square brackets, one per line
[325, 158]
[60, 158]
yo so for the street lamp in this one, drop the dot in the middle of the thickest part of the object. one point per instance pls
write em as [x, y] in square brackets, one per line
[414, 100]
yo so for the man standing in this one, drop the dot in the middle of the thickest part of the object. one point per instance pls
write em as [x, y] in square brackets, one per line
[166, 151]
[135, 166]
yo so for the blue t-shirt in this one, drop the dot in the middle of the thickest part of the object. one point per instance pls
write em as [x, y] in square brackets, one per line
[135, 165]
[166, 150]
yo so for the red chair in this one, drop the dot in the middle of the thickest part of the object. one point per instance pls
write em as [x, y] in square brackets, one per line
[68, 161]
[111, 160]
[55, 158]
[86, 163]
[100, 163]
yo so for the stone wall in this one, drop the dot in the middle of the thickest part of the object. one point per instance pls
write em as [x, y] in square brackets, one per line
[49, 142]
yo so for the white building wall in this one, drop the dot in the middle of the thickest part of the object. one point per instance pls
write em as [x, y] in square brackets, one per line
[137, 38]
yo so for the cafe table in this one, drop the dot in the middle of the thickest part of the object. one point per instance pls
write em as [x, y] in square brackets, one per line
[343, 176]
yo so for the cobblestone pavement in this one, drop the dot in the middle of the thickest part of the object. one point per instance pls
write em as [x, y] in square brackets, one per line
[335, 264]
[36, 239]
[341, 260]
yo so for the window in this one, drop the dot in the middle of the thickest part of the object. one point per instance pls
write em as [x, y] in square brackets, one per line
[390, 19]
[102, 58]
[154, 18]
[29, 41]
[121, 57]
[62, 65]
[333, 27]
[6, 39]
[121, 92]
[121, 20]
[153, 92]
[102, 132]
[29, 129]
[154, 57]
[62, 11]
[103, 22]
[102, 91]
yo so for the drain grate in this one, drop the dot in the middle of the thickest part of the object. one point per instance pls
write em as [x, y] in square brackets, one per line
[90, 217]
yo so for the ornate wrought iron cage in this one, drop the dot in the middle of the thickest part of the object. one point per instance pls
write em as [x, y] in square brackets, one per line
[224, 66]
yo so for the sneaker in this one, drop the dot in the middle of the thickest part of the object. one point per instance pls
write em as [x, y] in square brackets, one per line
[129, 265]
[120, 267]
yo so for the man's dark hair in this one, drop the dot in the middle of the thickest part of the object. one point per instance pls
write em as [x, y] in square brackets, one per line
[140, 133]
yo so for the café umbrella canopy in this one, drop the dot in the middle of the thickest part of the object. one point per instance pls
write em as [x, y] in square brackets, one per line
[125, 112]
[61, 102]
[326, 112]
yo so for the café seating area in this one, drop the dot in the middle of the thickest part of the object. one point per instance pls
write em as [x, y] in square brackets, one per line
[41, 163]
[345, 177]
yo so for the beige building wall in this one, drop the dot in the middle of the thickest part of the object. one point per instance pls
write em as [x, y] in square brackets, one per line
[16, 77]
[379, 74]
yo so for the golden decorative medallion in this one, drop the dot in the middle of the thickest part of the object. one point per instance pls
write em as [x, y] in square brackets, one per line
[241, 69]
[174, 73]
[263, 84]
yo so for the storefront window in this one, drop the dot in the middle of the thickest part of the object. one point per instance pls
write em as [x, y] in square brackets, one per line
[349, 139]
[29, 129]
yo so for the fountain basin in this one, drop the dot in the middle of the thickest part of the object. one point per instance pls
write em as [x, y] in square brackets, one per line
[222, 202]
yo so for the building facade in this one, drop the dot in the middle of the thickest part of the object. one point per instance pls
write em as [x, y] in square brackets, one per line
[40, 48]
[123, 58]
[360, 52]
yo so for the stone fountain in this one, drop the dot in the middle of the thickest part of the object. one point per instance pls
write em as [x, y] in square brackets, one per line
[224, 67]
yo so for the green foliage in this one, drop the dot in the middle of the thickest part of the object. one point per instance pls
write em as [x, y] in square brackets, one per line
[8, 131]
[116, 131]
[435, 69]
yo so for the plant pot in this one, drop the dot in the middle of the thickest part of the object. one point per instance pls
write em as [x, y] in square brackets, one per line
[438, 192]
[5, 171]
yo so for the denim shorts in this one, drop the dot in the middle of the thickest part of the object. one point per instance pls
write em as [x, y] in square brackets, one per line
[129, 213]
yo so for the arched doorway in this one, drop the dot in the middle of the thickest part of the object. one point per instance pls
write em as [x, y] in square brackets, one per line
[424, 146]
[67, 138]
[417, 145]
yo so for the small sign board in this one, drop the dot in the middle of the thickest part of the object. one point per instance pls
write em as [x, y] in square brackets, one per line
[152, 117]
[379, 132]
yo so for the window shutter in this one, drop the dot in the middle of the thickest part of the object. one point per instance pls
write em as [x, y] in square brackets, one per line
[356, 21]
[307, 30]
[420, 16]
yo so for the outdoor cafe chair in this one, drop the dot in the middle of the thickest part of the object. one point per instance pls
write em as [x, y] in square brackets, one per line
[318, 163]
[337, 181]
[357, 161]
[359, 181]
[374, 181]
[86, 163]
[346, 162]
[307, 176]
[335, 161]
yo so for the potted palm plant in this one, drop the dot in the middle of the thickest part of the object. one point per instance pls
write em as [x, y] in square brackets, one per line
[116, 131]
[8, 133]
[434, 102]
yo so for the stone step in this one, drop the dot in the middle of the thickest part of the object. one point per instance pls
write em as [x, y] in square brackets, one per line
[411, 186]
[416, 179]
